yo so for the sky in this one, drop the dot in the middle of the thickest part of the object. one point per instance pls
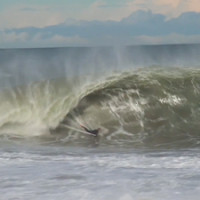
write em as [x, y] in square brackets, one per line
[54, 23]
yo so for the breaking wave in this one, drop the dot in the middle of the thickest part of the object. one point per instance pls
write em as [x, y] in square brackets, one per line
[142, 107]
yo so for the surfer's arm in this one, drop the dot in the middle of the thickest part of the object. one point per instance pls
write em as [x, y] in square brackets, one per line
[84, 128]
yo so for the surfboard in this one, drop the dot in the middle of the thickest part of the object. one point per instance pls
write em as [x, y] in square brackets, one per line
[77, 130]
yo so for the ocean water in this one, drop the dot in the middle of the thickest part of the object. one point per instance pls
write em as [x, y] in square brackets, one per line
[144, 99]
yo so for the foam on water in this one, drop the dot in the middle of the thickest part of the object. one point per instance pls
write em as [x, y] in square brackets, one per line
[52, 172]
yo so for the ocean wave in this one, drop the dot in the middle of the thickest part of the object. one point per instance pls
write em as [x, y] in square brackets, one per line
[154, 106]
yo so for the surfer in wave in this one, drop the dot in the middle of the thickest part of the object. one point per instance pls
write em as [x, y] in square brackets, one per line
[94, 132]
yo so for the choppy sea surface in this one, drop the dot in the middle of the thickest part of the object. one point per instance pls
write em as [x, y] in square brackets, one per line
[144, 99]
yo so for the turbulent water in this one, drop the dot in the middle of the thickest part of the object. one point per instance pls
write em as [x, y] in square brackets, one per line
[145, 100]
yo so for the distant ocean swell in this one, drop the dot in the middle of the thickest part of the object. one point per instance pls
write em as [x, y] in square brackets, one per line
[147, 106]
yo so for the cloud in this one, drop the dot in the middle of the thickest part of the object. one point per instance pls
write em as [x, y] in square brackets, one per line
[113, 4]
[104, 10]
[24, 39]
[101, 10]
[141, 27]
[41, 15]
[60, 40]
[12, 36]
[29, 14]
[170, 8]
[20, 16]
[166, 39]
[29, 9]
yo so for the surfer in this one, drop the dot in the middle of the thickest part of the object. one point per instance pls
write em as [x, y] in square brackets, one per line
[93, 132]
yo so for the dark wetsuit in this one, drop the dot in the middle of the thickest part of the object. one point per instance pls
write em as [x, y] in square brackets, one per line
[93, 132]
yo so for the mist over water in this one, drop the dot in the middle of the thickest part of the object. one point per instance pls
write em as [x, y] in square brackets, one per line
[145, 99]
[23, 66]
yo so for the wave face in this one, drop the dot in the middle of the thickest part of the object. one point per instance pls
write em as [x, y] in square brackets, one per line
[143, 107]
